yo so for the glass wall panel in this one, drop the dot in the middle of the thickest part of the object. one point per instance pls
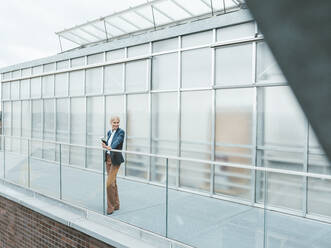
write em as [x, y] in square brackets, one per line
[165, 45]
[35, 86]
[164, 134]
[76, 62]
[25, 89]
[95, 58]
[196, 68]
[16, 122]
[15, 90]
[136, 75]
[95, 130]
[48, 86]
[246, 30]
[138, 50]
[115, 54]
[267, 69]
[61, 65]
[49, 129]
[37, 127]
[197, 39]
[234, 114]
[26, 118]
[61, 84]
[94, 81]
[76, 83]
[196, 138]
[137, 134]
[26, 72]
[77, 131]
[113, 78]
[7, 118]
[49, 67]
[37, 70]
[6, 76]
[16, 74]
[165, 72]
[234, 64]
[5, 91]
[62, 128]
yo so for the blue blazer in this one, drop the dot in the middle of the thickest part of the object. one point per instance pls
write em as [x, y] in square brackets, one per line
[116, 143]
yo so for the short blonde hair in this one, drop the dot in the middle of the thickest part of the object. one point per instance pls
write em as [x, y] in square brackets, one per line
[115, 117]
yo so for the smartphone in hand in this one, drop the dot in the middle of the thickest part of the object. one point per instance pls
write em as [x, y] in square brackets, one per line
[103, 140]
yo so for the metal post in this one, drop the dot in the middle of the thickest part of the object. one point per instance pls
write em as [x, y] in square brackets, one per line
[4, 159]
[265, 236]
[29, 165]
[60, 159]
[167, 195]
[103, 183]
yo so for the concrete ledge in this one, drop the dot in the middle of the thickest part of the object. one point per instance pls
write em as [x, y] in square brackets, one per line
[103, 228]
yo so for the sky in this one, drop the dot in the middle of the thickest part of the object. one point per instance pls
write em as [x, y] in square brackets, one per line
[27, 27]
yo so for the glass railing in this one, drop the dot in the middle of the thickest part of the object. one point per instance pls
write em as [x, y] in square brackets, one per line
[197, 202]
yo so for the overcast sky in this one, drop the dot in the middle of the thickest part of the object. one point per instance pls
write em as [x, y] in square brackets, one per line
[28, 27]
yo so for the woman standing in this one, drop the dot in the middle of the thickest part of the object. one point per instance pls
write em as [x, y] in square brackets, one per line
[115, 139]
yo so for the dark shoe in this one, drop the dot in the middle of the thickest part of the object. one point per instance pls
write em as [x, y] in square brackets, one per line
[109, 213]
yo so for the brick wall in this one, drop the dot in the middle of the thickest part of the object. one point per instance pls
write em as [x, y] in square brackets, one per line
[21, 227]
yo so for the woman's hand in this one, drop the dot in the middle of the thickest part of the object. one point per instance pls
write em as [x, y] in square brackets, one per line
[105, 147]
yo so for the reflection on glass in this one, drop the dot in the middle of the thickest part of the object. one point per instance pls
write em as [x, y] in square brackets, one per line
[26, 118]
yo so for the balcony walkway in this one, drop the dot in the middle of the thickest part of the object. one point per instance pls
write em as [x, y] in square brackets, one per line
[192, 219]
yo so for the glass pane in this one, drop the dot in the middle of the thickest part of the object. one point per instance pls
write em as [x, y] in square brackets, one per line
[95, 130]
[35, 87]
[196, 68]
[284, 121]
[76, 85]
[49, 129]
[138, 50]
[5, 91]
[115, 55]
[16, 74]
[25, 91]
[61, 65]
[48, 86]
[164, 134]
[137, 134]
[234, 64]
[266, 66]
[136, 75]
[77, 134]
[246, 30]
[62, 119]
[61, 84]
[197, 39]
[15, 90]
[26, 117]
[37, 70]
[165, 72]
[6, 76]
[196, 138]
[49, 67]
[7, 118]
[94, 81]
[16, 118]
[165, 45]
[37, 119]
[76, 62]
[319, 196]
[114, 78]
[95, 58]
[26, 72]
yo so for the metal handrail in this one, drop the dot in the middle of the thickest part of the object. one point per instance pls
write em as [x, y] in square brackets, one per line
[209, 162]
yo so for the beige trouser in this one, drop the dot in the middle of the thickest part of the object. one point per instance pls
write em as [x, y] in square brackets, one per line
[113, 202]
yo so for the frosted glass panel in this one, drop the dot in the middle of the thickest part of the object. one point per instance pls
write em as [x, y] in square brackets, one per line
[61, 65]
[114, 78]
[26, 117]
[197, 39]
[267, 67]
[49, 119]
[165, 72]
[138, 50]
[136, 75]
[246, 30]
[5, 91]
[165, 45]
[15, 90]
[25, 91]
[48, 86]
[61, 84]
[76, 62]
[95, 58]
[115, 55]
[37, 70]
[26, 72]
[76, 83]
[234, 64]
[196, 66]
[6, 76]
[94, 81]
[37, 119]
[16, 115]
[7, 118]
[49, 67]
[284, 121]
[137, 134]
[115, 107]
[36, 87]
[62, 120]
[16, 74]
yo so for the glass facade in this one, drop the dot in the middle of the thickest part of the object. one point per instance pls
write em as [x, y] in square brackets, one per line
[188, 96]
